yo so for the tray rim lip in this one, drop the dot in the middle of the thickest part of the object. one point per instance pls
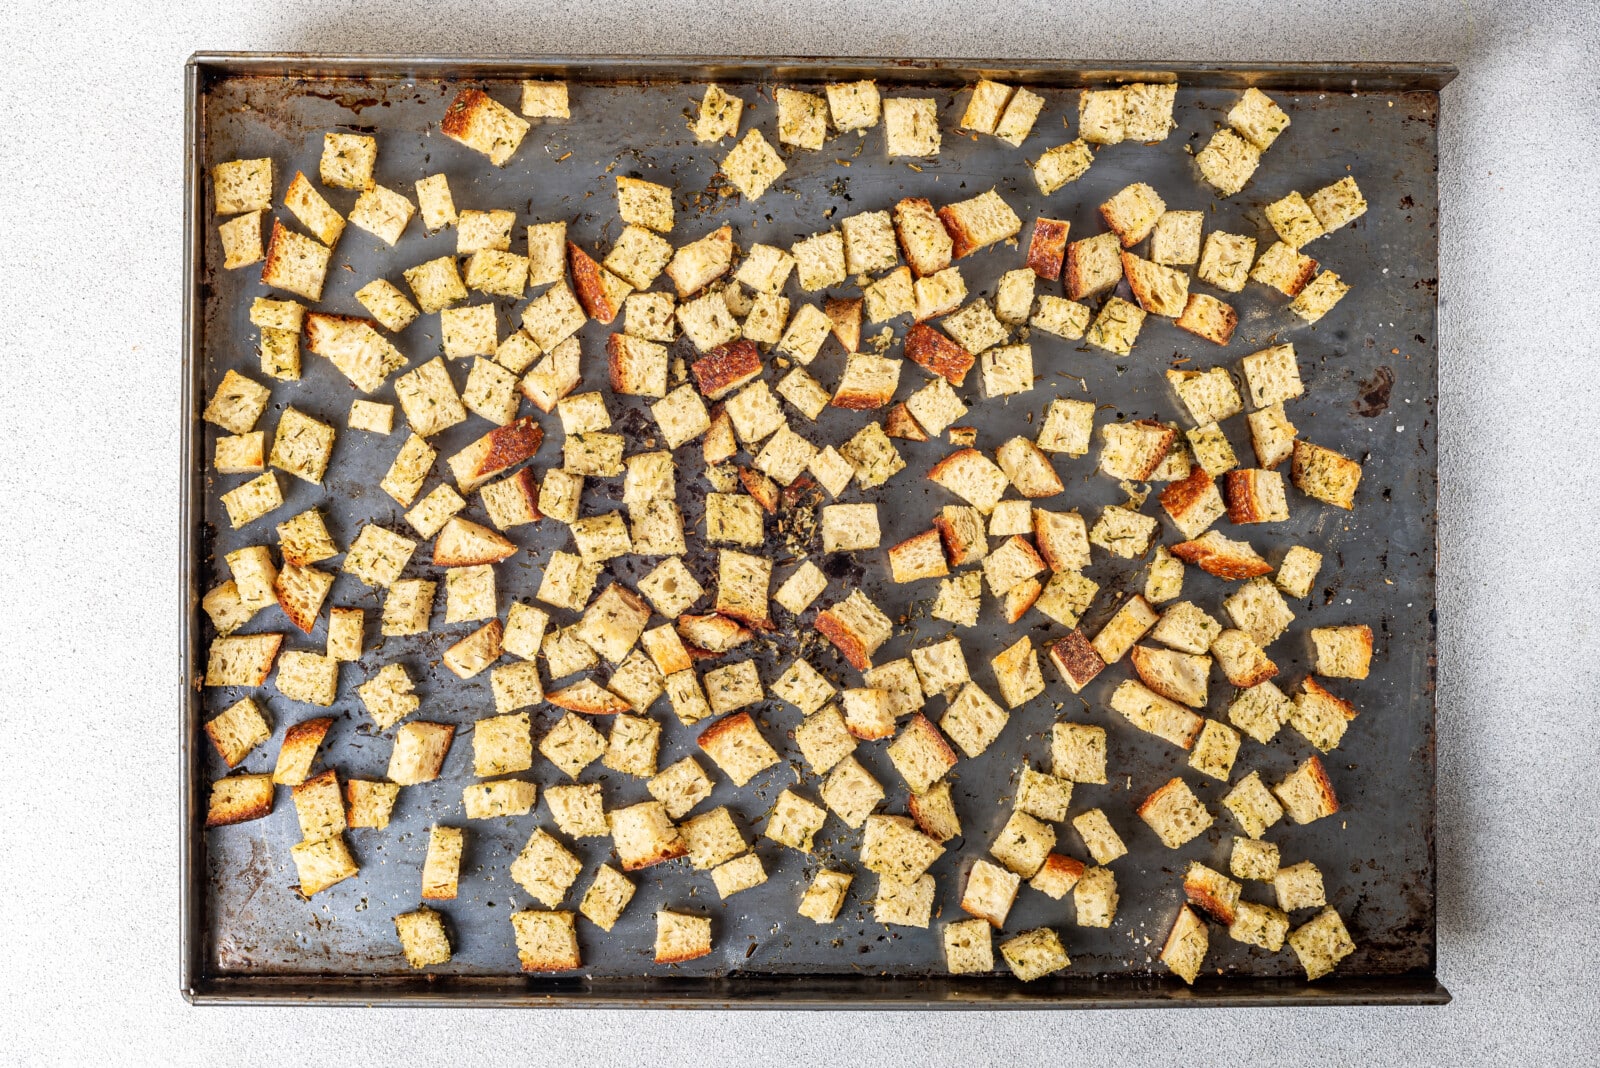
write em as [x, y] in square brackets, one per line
[198, 987]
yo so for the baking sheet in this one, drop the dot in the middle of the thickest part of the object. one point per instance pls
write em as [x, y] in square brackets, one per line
[1369, 368]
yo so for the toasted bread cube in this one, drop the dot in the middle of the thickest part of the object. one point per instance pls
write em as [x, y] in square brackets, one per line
[867, 712]
[666, 647]
[764, 323]
[1102, 840]
[802, 587]
[1225, 262]
[1157, 715]
[1133, 212]
[484, 124]
[856, 627]
[754, 165]
[942, 667]
[1259, 711]
[804, 392]
[939, 294]
[301, 592]
[1185, 948]
[422, 938]
[1063, 318]
[295, 263]
[1060, 165]
[1212, 892]
[1306, 793]
[322, 863]
[681, 415]
[989, 892]
[1293, 220]
[1319, 297]
[347, 160]
[238, 799]
[1272, 436]
[383, 213]
[1241, 658]
[442, 868]
[924, 241]
[736, 745]
[1215, 750]
[419, 752]
[872, 456]
[1222, 556]
[553, 317]
[255, 577]
[742, 583]
[1321, 943]
[237, 730]
[1258, 118]
[911, 126]
[1028, 469]
[1175, 813]
[1298, 886]
[733, 686]
[795, 821]
[804, 687]
[918, 557]
[712, 633]
[849, 527]
[979, 222]
[1259, 610]
[1023, 843]
[308, 677]
[241, 241]
[226, 611]
[410, 469]
[680, 787]
[437, 206]
[1342, 652]
[637, 681]
[280, 354]
[712, 839]
[504, 797]
[808, 328]
[854, 106]
[921, 754]
[1212, 452]
[345, 626]
[1016, 122]
[974, 478]
[1011, 518]
[1227, 162]
[869, 245]
[285, 315]
[1094, 264]
[635, 741]
[1043, 796]
[935, 813]
[906, 903]
[1159, 290]
[599, 291]
[314, 213]
[894, 848]
[1253, 805]
[985, 106]
[388, 695]
[546, 941]
[1016, 671]
[502, 745]
[1298, 573]
[1102, 115]
[573, 744]
[1337, 204]
[968, 946]
[1253, 859]
[1078, 752]
[1147, 111]
[249, 502]
[1126, 627]
[1116, 327]
[237, 403]
[579, 810]
[820, 260]
[302, 446]
[1034, 954]
[961, 527]
[824, 739]
[607, 897]
[242, 185]
[740, 873]
[644, 835]
[718, 116]
[1325, 475]
[1284, 269]
[733, 518]
[1320, 716]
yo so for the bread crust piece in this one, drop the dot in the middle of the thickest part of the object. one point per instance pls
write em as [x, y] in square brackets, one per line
[1219, 556]
[239, 798]
[1211, 892]
[856, 627]
[737, 746]
[1255, 496]
[726, 368]
[601, 302]
[1193, 503]
[497, 451]
[1047, 248]
[933, 351]
[1077, 660]
[478, 121]
[978, 222]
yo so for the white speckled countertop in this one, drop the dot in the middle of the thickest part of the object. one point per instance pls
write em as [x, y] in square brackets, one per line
[92, 111]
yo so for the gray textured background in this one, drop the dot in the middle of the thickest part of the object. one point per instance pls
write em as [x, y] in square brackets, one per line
[91, 161]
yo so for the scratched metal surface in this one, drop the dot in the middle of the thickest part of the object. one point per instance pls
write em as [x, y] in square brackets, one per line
[1375, 350]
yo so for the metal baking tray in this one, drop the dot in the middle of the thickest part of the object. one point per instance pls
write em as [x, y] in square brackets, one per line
[1370, 368]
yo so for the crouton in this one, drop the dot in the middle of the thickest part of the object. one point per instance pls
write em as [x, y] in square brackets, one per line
[572, 744]
[419, 752]
[979, 222]
[1023, 844]
[1259, 711]
[924, 241]
[753, 165]
[1159, 290]
[968, 946]
[1341, 652]
[1320, 716]
[854, 106]
[256, 498]
[1061, 165]
[681, 415]
[492, 800]
[1211, 892]
[973, 720]
[918, 557]
[241, 241]
[1194, 503]
[1184, 951]
[868, 382]
[1296, 575]
[476, 651]
[242, 185]
[894, 848]
[1242, 659]
[712, 633]
[1007, 369]
[1116, 327]
[1253, 805]
[1227, 162]
[1016, 671]
[422, 938]
[463, 543]
[607, 897]
[1284, 269]
[1272, 437]
[480, 230]
[1013, 563]
[1225, 261]
[1175, 814]
[1075, 657]
[736, 745]
[867, 713]
[239, 798]
[1337, 204]
[314, 213]
[856, 627]
[904, 903]
[959, 599]
[1259, 610]
[1298, 886]
[911, 126]
[823, 738]
[1101, 839]
[1177, 676]
[484, 125]
[825, 896]
[308, 677]
[1211, 449]
[934, 812]
[1222, 556]
[1258, 118]
[1123, 532]
[1157, 715]
[1321, 943]
[1133, 212]
[321, 864]
[1253, 859]
[1034, 954]
[850, 792]
[384, 213]
[938, 294]
[1325, 475]
[545, 100]
[1215, 751]
[295, 263]
[1164, 578]
[1066, 597]
[921, 754]
[644, 835]
[1306, 793]
[1062, 539]
[989, 893]
[389, 695]
[442, 867]
[237, 730]
[546, 941]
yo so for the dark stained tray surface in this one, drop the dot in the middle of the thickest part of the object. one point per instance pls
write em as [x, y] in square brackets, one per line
[1369, 368]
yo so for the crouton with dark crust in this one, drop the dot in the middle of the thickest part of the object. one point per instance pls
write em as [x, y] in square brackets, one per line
[601, 302]
[1048, 247]
[726, 368]
[933, 351]
[1075, 657]
[1222, 557]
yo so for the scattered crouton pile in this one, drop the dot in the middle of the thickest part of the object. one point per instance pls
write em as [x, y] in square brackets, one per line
[719, 341]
